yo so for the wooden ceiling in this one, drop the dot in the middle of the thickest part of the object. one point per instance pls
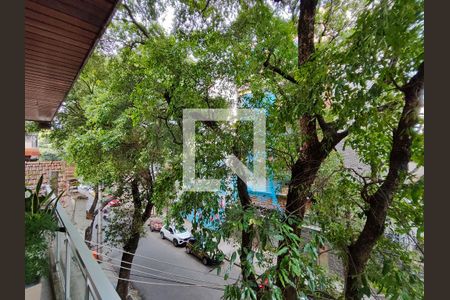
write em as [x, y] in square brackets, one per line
[59, 37]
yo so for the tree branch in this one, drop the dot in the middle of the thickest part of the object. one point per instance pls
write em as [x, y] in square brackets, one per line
[327, 21]
[206, 6]
[149, 187]
[278, 70]
[135, 22]
[402, 138]
[379, 202]
[166, 122]
[331, 136]
[291, 158]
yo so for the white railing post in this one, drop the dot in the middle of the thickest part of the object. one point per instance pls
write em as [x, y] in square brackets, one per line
[68, 259]
[57, 248]
[86, 295]
[97, 284]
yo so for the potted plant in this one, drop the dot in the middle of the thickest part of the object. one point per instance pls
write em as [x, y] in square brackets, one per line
[40, 223]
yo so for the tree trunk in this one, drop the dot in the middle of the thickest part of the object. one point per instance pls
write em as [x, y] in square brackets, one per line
[139, 218]
[131, 244]
[125, 266]
[305, 30]
[90, 213]
[313, 152]
[303, 174]
[88, 231]
[359, 251]
[247, 235]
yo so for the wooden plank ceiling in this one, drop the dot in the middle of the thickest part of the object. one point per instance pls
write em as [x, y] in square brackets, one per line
[59, 37]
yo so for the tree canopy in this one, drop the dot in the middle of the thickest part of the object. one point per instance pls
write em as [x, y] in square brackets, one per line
[329, 75]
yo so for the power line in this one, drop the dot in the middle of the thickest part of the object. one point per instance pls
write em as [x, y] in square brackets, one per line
[168, 273]
[181, 283]
[166, 284]
[160, 271]
[157, 260]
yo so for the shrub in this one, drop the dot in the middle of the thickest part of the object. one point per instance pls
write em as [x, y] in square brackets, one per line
[40, 222]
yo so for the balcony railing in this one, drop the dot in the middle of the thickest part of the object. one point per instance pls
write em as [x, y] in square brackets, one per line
[83, 278]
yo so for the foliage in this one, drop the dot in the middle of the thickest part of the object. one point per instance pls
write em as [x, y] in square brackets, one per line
[48, 150]
[31, 127]
[123, 121]
[396, 266]
[39, 223]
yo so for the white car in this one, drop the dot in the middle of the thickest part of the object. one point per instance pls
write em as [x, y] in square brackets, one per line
[178, 235]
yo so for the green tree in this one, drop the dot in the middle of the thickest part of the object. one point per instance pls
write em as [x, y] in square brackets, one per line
[339, 72]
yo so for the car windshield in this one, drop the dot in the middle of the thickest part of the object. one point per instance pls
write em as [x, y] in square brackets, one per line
[180, 229]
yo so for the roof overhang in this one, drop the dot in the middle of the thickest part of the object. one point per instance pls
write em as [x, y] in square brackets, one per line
[60, 35]
[33, 152]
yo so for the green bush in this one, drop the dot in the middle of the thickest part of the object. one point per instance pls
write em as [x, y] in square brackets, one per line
[40, 223]
[37, 229]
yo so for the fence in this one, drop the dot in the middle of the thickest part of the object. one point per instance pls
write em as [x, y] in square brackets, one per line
[83, 278]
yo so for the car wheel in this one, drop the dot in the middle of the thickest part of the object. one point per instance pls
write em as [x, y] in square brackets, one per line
[162, 235]
[205, 261]
[175, 242]
[188, 250]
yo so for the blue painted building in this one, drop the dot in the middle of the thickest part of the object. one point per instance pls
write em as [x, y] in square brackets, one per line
[268, 198]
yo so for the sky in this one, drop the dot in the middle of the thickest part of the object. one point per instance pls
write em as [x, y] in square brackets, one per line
[167, 18]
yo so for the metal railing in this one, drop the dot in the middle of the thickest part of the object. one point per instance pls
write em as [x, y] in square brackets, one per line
[83, 278]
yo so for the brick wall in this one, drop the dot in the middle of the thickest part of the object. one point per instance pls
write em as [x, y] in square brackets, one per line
[34, 169]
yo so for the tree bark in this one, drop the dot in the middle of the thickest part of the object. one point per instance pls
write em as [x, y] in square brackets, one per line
[304, 170]
[303, 174]
[305, 30]
[90, 213]
[125, 266]
[132, 243]
[247, 235]
[360, 250]
[88, 231]
[313, 152]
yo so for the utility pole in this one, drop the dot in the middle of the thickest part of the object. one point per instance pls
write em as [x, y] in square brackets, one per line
[100, 229]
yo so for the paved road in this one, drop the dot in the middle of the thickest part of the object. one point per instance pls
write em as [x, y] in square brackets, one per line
[178, 269]
[166, 272]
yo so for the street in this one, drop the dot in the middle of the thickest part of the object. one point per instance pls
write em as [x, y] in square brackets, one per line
[167, 272]
[162, 271]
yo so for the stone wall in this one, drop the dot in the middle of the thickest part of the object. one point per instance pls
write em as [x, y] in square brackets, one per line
[34, 169]
[328, 259]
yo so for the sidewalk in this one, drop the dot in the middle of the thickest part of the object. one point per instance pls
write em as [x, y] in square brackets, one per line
[40, 291]
[228, 247]
[76, 208]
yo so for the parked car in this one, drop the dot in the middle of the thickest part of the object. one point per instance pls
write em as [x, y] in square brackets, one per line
[155, 224]
[263, 281]
[106, 210]
[110, 203]
[198, 249]
[177, 234]
[113, 203]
